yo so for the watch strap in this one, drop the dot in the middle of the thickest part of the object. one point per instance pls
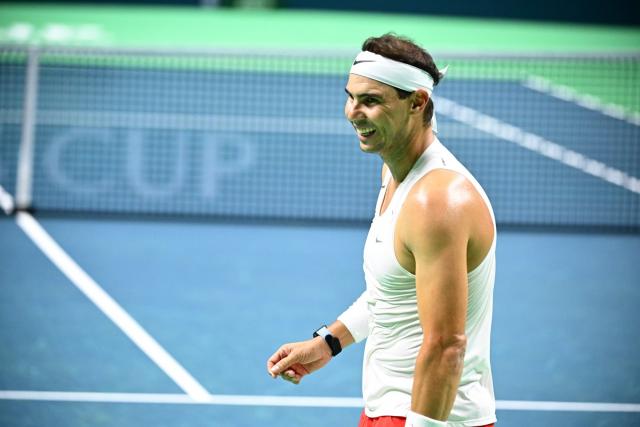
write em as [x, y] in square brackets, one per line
[332, 342]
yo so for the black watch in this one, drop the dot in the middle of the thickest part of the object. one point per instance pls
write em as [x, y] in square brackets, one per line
[333, 342]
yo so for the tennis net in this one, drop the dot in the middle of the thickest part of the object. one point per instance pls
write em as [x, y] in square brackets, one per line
[555, 140]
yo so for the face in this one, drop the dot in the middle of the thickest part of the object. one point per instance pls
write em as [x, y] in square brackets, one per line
[379, 117]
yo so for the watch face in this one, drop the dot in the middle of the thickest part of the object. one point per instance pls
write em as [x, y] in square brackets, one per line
[323, 332]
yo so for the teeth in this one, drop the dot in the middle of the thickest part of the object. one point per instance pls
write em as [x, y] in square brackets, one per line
[365, 132]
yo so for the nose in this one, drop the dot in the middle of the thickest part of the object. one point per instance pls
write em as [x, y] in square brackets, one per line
[351, 109]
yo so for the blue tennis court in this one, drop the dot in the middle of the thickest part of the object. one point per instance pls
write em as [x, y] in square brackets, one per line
[221, 297]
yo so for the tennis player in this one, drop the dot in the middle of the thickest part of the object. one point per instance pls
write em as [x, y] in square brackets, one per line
[429, 259]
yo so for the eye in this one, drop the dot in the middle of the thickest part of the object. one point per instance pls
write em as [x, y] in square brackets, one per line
[369, 100]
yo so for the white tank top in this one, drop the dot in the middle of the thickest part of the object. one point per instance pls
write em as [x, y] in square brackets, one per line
[394, 331]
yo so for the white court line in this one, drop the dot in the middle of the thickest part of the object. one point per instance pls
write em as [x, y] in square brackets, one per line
[523, 405]
[231, 400]
[6, 201]
[291, 401]
[590, 102]
[110, 307]
[535, 143]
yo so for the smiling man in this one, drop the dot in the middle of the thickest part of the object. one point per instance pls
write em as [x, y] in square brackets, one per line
[429, 259]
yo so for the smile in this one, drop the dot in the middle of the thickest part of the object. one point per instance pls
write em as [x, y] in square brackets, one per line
[365, 131]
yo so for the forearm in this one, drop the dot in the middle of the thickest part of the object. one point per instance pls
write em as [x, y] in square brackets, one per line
[340, 331]
[437, 375]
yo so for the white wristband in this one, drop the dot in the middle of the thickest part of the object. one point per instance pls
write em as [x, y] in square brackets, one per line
[418, 420]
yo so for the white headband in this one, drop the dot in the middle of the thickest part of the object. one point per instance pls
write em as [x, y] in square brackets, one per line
[395, 73]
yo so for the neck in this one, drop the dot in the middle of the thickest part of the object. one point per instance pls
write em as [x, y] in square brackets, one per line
[405, 156]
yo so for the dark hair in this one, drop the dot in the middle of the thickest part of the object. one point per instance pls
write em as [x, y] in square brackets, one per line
[404, 50]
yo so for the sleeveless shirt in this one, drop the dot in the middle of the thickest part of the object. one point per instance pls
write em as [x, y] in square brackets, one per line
[387, 313]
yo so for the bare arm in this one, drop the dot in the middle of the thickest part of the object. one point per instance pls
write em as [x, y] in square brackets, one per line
[439, 224]
[340, 331]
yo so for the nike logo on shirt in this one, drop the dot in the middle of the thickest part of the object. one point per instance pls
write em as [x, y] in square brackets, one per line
[357, 62]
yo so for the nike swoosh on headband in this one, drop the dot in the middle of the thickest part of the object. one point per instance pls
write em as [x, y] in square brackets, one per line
[357, 62]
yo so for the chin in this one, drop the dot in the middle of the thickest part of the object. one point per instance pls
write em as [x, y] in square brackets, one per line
[366, 148]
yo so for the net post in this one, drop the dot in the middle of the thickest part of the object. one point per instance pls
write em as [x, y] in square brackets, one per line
[27, 141]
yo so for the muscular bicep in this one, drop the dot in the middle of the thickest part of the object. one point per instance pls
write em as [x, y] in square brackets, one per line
[435, 230]
[441, 286]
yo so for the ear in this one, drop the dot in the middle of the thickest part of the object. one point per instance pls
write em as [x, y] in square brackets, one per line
[419, 100]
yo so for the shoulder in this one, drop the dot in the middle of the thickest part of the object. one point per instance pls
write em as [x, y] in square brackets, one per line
[442, 203]
[442, 191]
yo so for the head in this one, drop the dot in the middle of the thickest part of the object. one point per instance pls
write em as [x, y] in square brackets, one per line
[404, 50]
[392, 113]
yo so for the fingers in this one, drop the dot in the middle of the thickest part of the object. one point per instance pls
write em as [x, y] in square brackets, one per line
[290, 362]
[291, 376]
[277, 357]
[282, 352]
[284, 363]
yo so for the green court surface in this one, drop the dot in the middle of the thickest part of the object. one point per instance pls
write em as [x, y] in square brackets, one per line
[197, 28]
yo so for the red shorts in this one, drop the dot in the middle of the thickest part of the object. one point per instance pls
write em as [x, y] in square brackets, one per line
[387, 421]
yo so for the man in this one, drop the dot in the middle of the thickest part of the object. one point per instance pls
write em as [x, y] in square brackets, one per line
[429, 259]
